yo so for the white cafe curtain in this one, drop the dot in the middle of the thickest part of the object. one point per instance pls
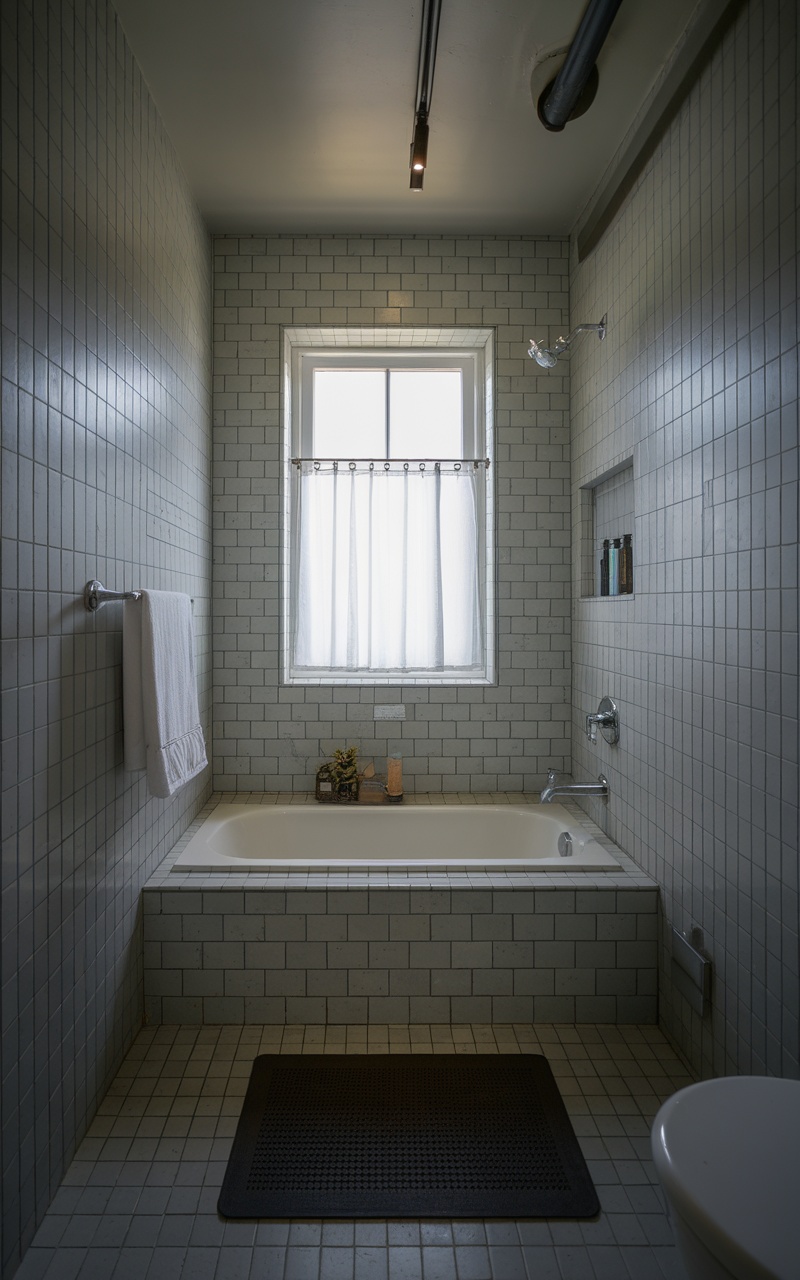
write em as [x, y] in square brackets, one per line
[386, 568]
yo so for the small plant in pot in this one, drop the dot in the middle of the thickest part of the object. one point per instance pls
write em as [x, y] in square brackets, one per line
[337, 780]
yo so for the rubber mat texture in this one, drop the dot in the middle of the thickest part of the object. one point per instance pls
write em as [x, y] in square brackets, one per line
[397, 1136]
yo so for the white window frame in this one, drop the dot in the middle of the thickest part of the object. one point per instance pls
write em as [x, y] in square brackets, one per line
[306, 360]
[472, 351]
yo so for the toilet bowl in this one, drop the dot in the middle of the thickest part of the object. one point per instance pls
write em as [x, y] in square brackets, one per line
[727, 1153]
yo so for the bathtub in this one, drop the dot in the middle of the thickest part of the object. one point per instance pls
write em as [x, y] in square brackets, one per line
[252, 837]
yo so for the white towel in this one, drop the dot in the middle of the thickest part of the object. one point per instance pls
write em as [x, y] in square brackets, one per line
[161, 717]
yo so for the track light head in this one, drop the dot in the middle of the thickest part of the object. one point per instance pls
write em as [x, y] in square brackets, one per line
[419, 146]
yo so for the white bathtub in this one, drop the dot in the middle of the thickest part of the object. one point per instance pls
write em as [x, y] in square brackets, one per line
[256, 837]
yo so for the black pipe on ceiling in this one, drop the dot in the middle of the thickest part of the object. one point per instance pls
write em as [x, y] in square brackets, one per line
[559, 100]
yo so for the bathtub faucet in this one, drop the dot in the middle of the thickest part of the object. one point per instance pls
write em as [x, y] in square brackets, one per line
[555, 788]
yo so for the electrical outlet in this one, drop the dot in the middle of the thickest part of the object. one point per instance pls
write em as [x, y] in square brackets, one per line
[394, 711]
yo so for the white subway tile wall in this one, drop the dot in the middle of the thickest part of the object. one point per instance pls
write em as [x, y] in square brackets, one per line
[416, 955]
[268, 737]
[106, 422]
[697, 380]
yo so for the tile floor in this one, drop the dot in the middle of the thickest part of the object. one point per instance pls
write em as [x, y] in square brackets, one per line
[139, 1200]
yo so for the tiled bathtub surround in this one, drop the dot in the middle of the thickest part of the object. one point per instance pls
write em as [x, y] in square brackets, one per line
[400, 955]
[378, 946]
[268, 737]
[697, 381]
[105, 465]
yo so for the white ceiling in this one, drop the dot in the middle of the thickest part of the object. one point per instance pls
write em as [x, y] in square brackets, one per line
[296, 115]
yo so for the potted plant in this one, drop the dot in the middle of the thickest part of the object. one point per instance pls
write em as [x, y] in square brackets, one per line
[337, 779]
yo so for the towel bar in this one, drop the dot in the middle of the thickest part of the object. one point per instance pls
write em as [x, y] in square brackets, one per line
[95, 594]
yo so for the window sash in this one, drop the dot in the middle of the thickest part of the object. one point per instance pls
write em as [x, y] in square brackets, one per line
[307, 361]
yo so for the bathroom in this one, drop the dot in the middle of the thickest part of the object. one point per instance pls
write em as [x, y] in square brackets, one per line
[108, 278]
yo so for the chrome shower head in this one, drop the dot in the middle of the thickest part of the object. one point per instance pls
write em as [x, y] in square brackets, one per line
[542, 355]
[547, 357]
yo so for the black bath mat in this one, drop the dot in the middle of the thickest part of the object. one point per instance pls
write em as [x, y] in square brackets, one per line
[405, 1136]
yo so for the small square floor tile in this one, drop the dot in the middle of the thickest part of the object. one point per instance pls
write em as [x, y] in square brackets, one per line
[140, 1203]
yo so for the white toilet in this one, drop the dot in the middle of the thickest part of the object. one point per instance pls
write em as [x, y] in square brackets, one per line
[727, 1153]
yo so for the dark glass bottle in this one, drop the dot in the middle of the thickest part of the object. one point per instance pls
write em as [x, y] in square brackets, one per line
[626, 566]
[604, 568]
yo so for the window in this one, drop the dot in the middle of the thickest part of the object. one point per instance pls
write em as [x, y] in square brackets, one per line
[388, 564]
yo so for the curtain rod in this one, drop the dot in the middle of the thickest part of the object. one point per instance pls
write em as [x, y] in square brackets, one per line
[392, 462]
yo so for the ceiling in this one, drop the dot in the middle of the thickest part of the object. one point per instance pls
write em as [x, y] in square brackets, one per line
[297, 117]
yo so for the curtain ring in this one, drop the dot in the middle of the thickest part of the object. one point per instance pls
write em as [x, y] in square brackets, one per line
[316, 465]
[352, 466]
[405, 466]
[386, 466]
[456, 466]
[422, 466]
[372, 466]
[336, 466]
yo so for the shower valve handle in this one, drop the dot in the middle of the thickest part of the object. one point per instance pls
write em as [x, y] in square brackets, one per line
[607, 717]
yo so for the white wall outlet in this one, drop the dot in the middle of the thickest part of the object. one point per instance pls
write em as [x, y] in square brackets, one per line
[394, 711]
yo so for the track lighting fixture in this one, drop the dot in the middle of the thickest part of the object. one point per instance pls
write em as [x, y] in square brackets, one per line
[429, 36]
[419, 147]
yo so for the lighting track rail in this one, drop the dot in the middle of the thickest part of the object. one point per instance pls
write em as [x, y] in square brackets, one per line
[426, 65]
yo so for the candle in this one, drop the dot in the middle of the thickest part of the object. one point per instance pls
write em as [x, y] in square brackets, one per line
[394, 776]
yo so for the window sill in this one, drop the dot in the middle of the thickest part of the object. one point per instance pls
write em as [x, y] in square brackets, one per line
[356, 679]
[606, 599]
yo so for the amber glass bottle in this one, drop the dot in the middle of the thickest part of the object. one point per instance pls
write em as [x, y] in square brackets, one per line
[626, 566]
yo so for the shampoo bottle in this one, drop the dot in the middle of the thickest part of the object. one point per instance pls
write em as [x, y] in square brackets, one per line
[626, 566]
[613, 568]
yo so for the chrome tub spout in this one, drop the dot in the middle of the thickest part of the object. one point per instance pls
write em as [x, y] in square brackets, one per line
[555, 788]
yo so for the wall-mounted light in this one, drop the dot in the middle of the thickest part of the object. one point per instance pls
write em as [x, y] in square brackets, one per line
[429, 36]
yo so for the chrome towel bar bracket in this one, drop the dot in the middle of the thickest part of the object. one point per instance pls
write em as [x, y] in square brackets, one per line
[95, 594]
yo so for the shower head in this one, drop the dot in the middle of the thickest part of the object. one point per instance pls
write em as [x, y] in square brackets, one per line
[542, 355]
[547, 357]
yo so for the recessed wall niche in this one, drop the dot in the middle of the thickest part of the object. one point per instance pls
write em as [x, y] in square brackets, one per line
[607, 512]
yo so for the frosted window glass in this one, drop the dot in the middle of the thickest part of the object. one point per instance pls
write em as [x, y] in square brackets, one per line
[425, 413]
[349, 413]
